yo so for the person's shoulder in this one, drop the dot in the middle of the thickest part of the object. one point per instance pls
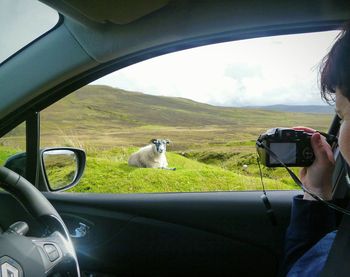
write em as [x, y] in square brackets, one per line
[313, 261]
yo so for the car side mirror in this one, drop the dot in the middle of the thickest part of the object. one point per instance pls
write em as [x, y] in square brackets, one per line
[61, 168]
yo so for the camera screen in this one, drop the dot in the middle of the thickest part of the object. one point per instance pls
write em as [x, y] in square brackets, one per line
[286, 152]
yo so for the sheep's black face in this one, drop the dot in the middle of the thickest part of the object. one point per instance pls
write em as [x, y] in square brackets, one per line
[160, 145]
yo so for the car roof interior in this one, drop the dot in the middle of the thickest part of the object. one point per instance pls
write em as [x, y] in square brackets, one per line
[136, 28]
[99, 39]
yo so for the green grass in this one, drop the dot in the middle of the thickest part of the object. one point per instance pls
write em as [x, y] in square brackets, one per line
[6, 152]
[109, 172]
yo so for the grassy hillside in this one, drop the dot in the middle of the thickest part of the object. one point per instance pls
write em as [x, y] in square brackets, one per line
[209, 144]
[114, 108]
[103, 117]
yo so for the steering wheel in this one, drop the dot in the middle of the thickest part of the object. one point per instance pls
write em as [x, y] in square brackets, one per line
[33, 256]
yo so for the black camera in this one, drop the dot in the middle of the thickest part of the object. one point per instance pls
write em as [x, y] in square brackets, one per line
[292, 147]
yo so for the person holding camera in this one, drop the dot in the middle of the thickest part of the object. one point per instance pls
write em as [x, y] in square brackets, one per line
[311, 232]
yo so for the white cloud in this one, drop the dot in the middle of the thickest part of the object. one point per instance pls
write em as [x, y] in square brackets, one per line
[263, 71]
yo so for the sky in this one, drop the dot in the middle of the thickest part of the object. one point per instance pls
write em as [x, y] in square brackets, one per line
[253, 72]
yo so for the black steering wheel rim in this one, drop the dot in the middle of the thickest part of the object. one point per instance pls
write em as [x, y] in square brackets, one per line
[15, 249]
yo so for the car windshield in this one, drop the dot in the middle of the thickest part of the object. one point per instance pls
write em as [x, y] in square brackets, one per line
[21, 22]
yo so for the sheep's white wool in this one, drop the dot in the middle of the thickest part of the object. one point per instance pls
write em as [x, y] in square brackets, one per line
[148, 157]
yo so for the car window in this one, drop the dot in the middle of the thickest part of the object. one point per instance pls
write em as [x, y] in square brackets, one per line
[21, 22]
[12, 143]
[206, 105]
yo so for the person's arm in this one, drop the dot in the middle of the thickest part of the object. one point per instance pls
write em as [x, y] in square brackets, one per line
[310, 221]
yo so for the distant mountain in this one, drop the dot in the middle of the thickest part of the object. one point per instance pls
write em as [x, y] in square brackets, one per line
[325, 109]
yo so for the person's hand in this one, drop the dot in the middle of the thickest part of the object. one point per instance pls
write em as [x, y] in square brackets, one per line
[318, 177]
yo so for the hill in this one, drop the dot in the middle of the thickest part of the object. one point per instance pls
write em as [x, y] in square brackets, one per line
[101, 116]
[119, 108]
[122, 108]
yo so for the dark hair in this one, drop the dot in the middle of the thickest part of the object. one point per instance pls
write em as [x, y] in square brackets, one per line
[335, 67]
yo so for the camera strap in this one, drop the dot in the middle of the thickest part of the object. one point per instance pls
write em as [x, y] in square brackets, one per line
[269, 211]
[300, 184]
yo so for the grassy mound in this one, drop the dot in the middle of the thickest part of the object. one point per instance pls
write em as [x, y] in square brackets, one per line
[109, 172]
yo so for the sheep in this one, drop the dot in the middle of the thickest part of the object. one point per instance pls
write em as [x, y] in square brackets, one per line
[151, 156]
